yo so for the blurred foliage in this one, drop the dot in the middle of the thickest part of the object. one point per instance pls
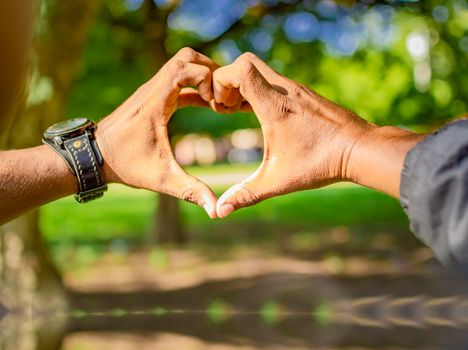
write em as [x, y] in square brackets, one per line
[355, 54]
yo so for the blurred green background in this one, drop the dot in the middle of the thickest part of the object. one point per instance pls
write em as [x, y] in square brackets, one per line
[393, 62]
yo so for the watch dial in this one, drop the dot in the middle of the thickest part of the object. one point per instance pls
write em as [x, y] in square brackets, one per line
[66, 126]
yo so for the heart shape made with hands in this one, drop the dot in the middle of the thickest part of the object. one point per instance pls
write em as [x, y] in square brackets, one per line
[307, 138]
[231, 103]
[304, 134]
[250, 85]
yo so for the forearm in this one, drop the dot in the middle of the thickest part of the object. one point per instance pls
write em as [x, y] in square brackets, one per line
[377, 158]
[30, 178]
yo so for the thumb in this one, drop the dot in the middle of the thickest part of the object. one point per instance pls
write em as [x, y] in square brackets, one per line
[193, 190]
[199, 193]
[244, 194]
[171, 179]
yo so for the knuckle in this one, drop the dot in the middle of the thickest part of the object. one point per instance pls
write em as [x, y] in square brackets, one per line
[177, 66]
[248, 68]
[186, 53]
[217, 74]
[248, 196]
[247, 56]
[189, 193]
[284, 107]
[246, 62]
[205, 72]
[299, 90]
[189, 196]
[203, 77]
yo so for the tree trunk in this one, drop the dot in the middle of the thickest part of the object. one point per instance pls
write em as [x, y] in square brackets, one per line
[56, 59]
[28, 279]
[168, 226]
[26, 268]
[30, 284]
[30, 287]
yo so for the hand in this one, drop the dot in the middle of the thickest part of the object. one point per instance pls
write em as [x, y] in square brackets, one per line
[134, 140]
[309, 142]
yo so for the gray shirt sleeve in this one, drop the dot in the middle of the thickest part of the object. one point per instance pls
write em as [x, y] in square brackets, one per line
[434, 192]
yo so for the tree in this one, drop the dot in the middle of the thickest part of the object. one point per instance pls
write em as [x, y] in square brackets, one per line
[168, 223]
[27, 275]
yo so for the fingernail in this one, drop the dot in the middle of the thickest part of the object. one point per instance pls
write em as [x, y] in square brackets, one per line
[225, 210]
[209, 209]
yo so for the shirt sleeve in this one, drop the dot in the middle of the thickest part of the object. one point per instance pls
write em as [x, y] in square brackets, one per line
[434, 192]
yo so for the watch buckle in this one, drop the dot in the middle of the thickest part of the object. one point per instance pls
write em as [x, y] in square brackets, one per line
[86, 196]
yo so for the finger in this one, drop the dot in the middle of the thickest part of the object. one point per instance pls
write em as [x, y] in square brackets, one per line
[191, 97]
[188, 90]
[221, 87]
[189, 55]
[249, 192]
[179, 74]
[221, 108]
[171, 179]
[191, 74]
[193, 190]
[272, 76]
[234, 99]
[251, 84]
[236, 197]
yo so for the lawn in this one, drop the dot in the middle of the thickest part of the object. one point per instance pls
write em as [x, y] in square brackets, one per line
[126, 213]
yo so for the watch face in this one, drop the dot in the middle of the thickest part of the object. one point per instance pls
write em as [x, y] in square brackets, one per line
[66, 127]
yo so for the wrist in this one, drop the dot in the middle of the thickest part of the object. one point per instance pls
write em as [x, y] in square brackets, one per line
[59, 175]
[377, 156]
[30, 178]
[102, 141]
[356, 146]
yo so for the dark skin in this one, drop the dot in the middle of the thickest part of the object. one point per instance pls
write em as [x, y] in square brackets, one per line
[309, 141]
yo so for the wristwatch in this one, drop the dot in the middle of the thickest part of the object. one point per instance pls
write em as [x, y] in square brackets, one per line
[74, 140]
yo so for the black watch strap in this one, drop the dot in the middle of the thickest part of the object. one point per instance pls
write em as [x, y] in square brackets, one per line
[86, 167]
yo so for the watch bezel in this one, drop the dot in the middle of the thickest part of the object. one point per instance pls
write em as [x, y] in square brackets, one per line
[85, 123]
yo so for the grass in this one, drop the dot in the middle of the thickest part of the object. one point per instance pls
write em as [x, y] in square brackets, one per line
[121, 213]
[219, 169]
[298, 223]
[126, 213]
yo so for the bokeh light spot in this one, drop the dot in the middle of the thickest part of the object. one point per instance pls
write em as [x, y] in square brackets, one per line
[440, 14]
[301, 27]
[464, 43]
[133, 5]
[261, 40]
[418, 46]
